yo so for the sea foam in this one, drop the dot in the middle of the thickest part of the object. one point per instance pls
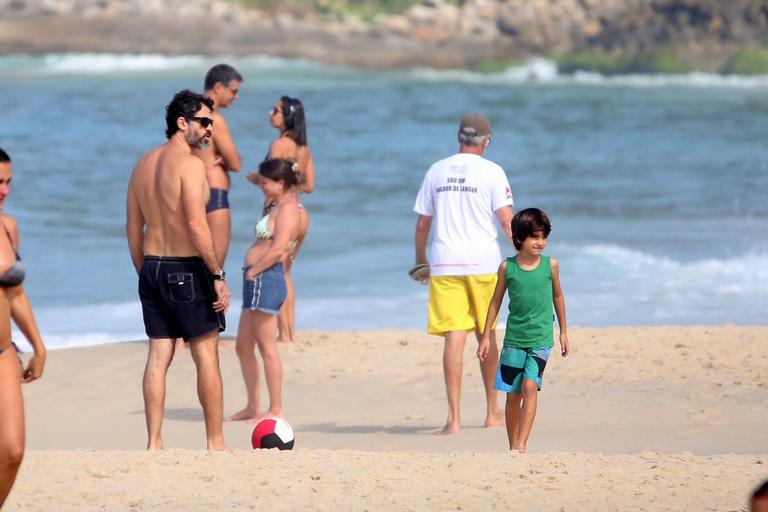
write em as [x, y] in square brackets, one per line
[111, 63]
[604, 285]
[532, 70]
[545, 71]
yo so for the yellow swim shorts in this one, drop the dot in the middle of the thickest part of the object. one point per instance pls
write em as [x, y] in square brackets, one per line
[458, 303]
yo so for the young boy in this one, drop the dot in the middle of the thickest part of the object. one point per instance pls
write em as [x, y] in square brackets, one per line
[533, 282]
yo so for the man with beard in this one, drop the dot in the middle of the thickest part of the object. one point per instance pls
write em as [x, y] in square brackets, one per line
[181, 281]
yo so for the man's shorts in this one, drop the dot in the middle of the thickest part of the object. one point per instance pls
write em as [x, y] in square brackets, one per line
[266, 292]
[459, 303]
[516, 364]
[219, 200]
[177, 298]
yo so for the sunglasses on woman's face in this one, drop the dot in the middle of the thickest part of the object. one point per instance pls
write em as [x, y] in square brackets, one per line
[205, 122]
[275, 110]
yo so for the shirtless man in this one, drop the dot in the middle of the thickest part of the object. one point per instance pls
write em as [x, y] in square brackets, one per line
[222, 83]
[181, 281]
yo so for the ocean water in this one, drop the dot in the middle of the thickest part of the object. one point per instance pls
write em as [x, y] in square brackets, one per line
[656, 185]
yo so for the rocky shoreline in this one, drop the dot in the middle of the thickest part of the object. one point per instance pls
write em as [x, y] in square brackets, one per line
[602, 35]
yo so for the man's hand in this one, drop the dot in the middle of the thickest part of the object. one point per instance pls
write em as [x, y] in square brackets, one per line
[34, 368]
[565, 346]
[221, 304]
[482, 347]
[420, 272]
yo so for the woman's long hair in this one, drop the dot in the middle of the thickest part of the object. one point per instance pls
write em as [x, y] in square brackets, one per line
[295, 126]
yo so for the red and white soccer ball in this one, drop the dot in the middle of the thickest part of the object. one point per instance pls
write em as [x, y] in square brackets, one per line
[272, 433]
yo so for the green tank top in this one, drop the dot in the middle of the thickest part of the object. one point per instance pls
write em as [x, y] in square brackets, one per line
[529, 324]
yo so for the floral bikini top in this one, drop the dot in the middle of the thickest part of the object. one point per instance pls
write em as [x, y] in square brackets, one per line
[261, 229]
[262, 232]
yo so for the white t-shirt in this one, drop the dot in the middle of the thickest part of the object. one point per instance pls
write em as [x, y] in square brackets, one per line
[461, 193]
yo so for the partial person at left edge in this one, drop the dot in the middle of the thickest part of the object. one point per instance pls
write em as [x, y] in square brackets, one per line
[15, 305]
[181, 281]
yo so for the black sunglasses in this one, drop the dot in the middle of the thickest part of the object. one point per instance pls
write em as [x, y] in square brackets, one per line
[205, 122]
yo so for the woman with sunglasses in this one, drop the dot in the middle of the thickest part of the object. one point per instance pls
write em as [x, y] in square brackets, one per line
[264, 286]
[288, 117]
[14, 304]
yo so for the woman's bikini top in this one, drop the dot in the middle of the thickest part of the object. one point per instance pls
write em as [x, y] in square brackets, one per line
[14, 276]
[261, 230]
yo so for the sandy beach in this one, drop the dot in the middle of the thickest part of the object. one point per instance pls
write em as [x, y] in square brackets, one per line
[664, 418]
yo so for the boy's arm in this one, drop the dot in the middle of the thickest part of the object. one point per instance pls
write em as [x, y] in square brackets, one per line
[559, 301]
[493, 311]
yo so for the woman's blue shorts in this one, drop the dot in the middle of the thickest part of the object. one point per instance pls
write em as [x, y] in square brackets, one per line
[266, 292]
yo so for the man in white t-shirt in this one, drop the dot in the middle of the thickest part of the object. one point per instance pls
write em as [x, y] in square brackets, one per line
[462, 196]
